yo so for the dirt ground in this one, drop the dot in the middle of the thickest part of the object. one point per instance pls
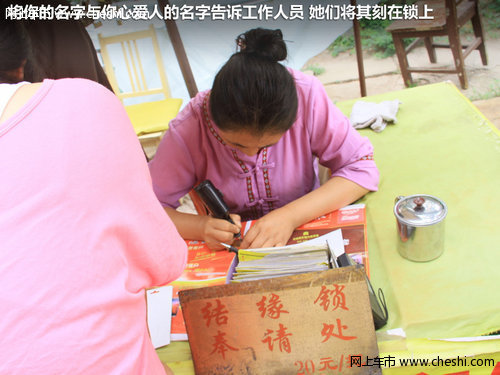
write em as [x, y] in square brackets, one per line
[340, 76]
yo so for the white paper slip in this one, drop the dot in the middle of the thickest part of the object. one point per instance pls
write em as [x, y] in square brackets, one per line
[335, 237]
[335, 243]
[159, 302]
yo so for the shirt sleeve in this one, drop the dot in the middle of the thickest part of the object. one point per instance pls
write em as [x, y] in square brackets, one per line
[125, 212]
[336, 143]
[172, 168]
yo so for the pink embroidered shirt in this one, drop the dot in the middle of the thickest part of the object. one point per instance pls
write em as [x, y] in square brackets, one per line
[192, 151]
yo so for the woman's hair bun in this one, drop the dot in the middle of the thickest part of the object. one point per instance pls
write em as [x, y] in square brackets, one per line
[266, 43]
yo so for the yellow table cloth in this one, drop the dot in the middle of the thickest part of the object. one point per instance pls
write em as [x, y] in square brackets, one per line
[441, 145]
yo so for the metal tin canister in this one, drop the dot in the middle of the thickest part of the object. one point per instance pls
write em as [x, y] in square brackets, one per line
[420, 223]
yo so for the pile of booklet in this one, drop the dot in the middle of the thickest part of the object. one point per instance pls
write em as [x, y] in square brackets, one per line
[265, 263]
[318, 254]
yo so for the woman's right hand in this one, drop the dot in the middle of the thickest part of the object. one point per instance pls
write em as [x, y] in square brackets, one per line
[216, 231]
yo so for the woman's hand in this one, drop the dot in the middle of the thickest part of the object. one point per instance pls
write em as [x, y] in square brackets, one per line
[206, 228]
[273, 229]
[216, 231]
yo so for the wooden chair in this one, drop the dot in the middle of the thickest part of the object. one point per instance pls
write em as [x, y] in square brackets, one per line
[446, 19]
[151, 118]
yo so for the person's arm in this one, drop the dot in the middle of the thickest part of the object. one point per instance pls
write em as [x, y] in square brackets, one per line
[202, 227]
[121, 214]
[275, 228]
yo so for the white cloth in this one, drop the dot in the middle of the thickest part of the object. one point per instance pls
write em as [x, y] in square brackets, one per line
[7, 91]
[374, 115]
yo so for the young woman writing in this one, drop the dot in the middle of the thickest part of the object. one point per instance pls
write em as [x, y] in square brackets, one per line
[257, 135]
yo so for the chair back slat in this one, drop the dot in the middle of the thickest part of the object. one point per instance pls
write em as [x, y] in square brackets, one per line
[126, 59]
[133, 58]
[141, 69]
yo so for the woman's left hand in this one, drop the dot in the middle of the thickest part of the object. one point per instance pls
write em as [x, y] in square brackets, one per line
[273, 229]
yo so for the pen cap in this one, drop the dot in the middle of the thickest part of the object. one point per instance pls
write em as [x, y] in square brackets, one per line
[213, 199]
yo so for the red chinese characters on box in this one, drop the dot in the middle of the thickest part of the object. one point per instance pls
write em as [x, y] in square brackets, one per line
[303, 324]
[204, 268]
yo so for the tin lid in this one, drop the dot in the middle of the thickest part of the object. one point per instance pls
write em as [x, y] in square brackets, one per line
[420, 210]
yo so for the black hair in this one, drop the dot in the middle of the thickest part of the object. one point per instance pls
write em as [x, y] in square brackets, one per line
[14, 48]
[253, 91]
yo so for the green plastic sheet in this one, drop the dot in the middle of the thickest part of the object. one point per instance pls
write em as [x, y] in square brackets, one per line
[443, 146]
